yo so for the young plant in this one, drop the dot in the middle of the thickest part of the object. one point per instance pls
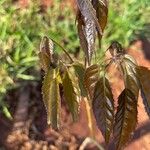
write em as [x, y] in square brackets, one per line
[93, 83]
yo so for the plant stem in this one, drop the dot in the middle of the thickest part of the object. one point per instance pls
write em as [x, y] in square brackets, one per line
[89, 116]
[89, 140]
[64, 50]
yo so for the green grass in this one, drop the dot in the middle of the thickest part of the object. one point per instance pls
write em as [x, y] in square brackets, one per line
[127, 21]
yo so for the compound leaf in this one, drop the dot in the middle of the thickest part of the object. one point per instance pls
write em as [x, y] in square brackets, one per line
[128, 66]
[70, 95]
[103, 107]
[51, 98]
[125, 118]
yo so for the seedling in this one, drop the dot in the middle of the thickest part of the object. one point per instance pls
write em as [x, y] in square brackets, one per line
[93, 83]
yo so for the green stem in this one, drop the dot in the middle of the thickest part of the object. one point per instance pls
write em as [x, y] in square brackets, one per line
[90, 117]
[64, 50]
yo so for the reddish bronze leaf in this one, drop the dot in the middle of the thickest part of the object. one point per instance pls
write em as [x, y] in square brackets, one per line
[90, 78]
[101, 7]
[82, 37]
[103, 107]
[125, 118]
[70, 95]
[88, 12]
[131, 77]
[144, 76]
[87, 25]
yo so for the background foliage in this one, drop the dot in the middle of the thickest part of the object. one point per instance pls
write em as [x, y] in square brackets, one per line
[127, 20]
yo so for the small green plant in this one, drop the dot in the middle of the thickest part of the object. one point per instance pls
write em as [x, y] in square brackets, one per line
[93, 79]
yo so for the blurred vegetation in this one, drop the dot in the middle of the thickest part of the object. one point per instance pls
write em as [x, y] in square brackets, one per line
[127, 20]
[21, 31]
